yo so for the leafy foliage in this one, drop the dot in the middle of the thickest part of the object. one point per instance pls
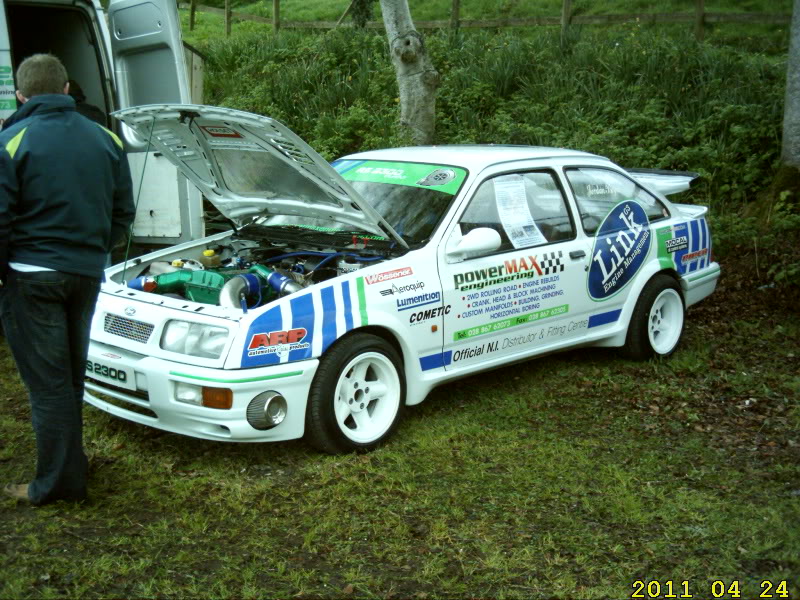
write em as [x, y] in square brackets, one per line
[644, 97]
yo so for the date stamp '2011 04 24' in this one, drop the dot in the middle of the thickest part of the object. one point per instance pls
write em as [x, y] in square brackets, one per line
[668, 588]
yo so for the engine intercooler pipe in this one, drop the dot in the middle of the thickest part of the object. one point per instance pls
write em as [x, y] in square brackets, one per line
[234, 292]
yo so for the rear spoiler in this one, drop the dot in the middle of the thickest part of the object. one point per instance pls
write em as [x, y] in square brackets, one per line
[663, 181]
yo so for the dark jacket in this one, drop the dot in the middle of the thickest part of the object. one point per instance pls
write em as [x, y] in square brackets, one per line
[65, 188]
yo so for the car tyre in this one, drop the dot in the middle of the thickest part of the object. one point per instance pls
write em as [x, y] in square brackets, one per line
[657, 322]
[357, 396]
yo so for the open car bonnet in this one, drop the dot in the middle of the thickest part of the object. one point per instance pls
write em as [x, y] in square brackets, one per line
[251, 166]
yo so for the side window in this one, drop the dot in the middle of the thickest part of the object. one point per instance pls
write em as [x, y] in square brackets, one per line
[597, 191]
[526, 209]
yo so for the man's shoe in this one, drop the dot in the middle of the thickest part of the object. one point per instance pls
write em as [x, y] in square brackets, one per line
[18, 491]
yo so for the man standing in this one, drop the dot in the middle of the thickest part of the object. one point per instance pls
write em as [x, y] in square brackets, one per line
[65, 199]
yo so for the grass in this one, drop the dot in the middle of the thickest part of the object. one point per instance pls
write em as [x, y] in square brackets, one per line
[571, 476]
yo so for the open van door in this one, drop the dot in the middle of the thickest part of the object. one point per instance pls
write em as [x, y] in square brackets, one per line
[149, 68]
[8, 102]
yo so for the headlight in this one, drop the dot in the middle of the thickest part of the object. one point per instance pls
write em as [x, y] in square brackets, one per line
[194, 339]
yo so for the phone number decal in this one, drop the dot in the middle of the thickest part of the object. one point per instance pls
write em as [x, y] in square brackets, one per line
[715, 589]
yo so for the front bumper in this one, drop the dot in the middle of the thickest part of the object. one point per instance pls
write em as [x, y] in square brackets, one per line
[142, 389]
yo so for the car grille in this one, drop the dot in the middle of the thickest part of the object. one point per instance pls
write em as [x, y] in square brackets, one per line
[130, 329]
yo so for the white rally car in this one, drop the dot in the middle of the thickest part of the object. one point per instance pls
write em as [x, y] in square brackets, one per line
[344, 292]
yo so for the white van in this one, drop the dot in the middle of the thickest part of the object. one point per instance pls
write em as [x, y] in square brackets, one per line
[132, 56]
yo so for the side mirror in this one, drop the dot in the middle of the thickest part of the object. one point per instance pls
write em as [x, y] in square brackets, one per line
[482, 240]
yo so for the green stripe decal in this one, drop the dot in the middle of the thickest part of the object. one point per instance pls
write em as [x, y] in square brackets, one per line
[14, 143]
[245, 380]
[362, 300]
[664, 257]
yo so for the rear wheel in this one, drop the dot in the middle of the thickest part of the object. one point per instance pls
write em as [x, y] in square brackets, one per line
[357, 396]
[657, 322]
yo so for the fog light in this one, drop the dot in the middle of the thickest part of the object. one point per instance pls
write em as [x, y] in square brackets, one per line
[217, 398]
[188, 393]
[267, 410]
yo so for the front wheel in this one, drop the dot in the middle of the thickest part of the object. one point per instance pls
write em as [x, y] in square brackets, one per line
[657, 322]
[357, 395]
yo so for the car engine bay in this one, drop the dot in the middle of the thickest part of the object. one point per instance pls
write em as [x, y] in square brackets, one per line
[257, 265]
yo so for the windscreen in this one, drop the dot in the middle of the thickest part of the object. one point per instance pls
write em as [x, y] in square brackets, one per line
[412, 197]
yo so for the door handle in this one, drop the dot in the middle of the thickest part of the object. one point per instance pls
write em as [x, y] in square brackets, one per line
[576, 254]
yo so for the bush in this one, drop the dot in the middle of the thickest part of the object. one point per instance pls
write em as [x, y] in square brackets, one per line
[643, 97]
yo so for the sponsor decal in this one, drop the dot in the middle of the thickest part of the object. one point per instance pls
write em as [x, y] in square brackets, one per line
[513, 299]
[692, 256]
[676, 244]
[438, 177]
[424, 315]
[389, 275]
[522, 267]
[277, 342]
[223, 132]
[402, 289]
[421, 300]
[387, 173]
[510, 322]
[685, 247]
[324, 313]
[620, 248]
[475, 351]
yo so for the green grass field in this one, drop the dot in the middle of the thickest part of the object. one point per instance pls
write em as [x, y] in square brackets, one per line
[572, 476]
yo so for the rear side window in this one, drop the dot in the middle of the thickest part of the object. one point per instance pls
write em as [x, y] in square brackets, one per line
[597, 191]
[526, 209]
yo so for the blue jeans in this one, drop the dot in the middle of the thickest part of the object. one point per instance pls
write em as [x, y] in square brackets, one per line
[46, 316]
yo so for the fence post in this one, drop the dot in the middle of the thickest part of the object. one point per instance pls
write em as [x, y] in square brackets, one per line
[227, 18]
[699, 23]
[276, 15]
[455, 16]
[566, 15]
[192, 12]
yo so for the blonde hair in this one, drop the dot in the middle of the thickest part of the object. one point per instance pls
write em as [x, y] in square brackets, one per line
[41, 74]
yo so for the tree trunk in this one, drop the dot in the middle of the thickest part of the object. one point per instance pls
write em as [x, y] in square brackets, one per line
[787, 179]
[417, 79]
[790, 152]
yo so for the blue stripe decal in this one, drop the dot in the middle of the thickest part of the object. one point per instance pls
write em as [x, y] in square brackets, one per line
[303, 316]
[258, 338]
[695, 226]
[348, 306]
[604, 318]
[343, 166]
[435, 361]
[679, 230]
[707, 257]
[328, 317]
